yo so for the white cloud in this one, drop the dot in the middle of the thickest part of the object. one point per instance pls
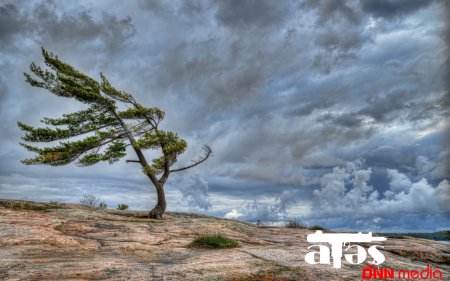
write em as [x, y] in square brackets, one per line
[194, 190]
[398, 182]
[271, 210]
[345, 195]
[233, 214]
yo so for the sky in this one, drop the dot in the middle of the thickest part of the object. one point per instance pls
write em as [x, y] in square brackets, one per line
[332, 113]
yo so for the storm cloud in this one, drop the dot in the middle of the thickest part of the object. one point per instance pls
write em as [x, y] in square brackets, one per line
[306, 104]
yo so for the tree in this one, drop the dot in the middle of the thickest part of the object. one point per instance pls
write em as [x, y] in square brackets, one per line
[102, 132]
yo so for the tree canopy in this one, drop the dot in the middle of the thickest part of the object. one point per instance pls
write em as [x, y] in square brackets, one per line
[102, 131]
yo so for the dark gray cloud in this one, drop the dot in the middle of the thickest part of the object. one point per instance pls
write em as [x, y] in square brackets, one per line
[155, 6]
[381, 108]
[346, 120]
[10, 22]
[43, 23]
[336, 10]
[254, 14]
[334, 47]
[284, 92]
[391, 8]
[332, 40]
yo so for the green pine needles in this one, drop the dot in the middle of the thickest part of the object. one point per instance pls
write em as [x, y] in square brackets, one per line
[102, 132]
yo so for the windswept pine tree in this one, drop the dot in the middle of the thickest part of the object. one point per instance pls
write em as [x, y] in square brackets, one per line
[102, 132]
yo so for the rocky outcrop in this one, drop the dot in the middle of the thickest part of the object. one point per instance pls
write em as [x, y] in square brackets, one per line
[70, 242]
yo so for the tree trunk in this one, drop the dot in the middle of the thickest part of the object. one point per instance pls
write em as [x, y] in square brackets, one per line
[160, 208]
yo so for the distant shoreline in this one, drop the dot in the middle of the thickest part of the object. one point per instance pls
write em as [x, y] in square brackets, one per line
[441, 236]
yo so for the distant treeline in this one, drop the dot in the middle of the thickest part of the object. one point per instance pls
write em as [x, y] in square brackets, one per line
[440, 235]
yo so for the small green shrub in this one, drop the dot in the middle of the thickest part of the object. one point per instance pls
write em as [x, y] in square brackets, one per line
[122, 206]
[214, 242]
[296, 224]
[317, 227]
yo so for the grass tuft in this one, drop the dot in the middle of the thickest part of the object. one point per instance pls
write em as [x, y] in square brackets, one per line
[214, 242]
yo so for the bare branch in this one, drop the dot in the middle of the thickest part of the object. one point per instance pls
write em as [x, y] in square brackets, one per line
[132, 161]
[207, 151]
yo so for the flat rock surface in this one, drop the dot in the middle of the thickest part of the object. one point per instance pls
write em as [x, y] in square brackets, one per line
[70, 242]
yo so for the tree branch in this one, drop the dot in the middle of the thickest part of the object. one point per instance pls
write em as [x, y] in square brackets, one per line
[206, 153]
[138, 151]
[132, 161]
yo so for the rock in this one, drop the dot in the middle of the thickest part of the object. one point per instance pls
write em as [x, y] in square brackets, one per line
[70, 242]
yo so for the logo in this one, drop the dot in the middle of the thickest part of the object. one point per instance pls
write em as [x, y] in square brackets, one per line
[356, 254]
[337, 242]
[371, 272]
